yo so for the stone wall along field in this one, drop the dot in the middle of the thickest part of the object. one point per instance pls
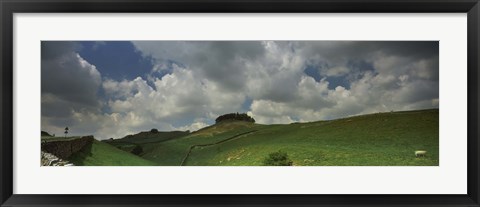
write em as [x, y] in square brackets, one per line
[63, 149]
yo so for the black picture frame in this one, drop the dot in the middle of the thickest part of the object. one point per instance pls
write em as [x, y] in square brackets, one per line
[10, 7]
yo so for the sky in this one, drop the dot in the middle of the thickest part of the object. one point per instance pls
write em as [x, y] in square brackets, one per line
[110, 89]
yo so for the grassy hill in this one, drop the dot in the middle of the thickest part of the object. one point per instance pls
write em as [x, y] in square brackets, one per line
[45, 134]
[103, 154]
[148, 137]
[381, 139]
[173, 151]
[134, 143]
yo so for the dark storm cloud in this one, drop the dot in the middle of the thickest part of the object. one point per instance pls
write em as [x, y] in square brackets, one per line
[339, 51]
[360, 56]
[225, 60]
[418, 59]
[54, 49]
[413, 49]
[219, 61]
[69, 84]
[53, 106]
[67, 81]
[417, 91]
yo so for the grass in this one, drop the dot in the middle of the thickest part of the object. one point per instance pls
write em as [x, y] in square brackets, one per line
[381, 139]
[130, 142]
[51, 139]
[173, 151]
[103, 154]
[150, 137]
[125, 146]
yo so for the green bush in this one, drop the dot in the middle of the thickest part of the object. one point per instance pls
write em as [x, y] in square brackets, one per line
[235, 116]
[137, 150]
[277, 159]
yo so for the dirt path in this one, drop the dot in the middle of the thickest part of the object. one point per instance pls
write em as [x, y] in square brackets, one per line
[211, 144]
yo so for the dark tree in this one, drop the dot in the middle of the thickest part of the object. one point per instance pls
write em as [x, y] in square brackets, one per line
[235, 116]
[277, 159]
[154, 131]
[137, 150]
[66, 131]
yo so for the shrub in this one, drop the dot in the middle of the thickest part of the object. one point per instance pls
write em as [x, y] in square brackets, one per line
[277, 159]
[235, 116]
[137, 150]
[154, 130]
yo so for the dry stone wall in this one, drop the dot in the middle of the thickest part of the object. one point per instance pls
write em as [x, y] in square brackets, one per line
[63, 149]
[51, 160]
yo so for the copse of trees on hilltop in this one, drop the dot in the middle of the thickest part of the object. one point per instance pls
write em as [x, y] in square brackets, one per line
[235, 116]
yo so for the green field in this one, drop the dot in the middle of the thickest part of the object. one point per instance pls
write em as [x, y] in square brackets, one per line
[151, 137]
[131, 143]
[381, 139]
[103, 154]
[172, 152]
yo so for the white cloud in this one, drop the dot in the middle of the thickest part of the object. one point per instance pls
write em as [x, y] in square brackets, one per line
[194, 126]
[394, 86]
[208, 79]
[281, 92]
[337, 71]
[176, 97]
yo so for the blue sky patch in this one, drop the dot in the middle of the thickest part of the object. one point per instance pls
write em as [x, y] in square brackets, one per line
[334, 81]
[116, 60]
[313, 72]
[246, 104]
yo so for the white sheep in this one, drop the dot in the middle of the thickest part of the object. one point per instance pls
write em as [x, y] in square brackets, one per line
[420, 153]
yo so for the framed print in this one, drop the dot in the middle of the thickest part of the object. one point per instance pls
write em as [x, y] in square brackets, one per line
[239, 103]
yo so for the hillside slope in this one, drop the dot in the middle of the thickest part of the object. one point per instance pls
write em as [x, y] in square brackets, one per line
[102, 154]
[172, 152]
[133, 143]
[381, 139]
[147, 137]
